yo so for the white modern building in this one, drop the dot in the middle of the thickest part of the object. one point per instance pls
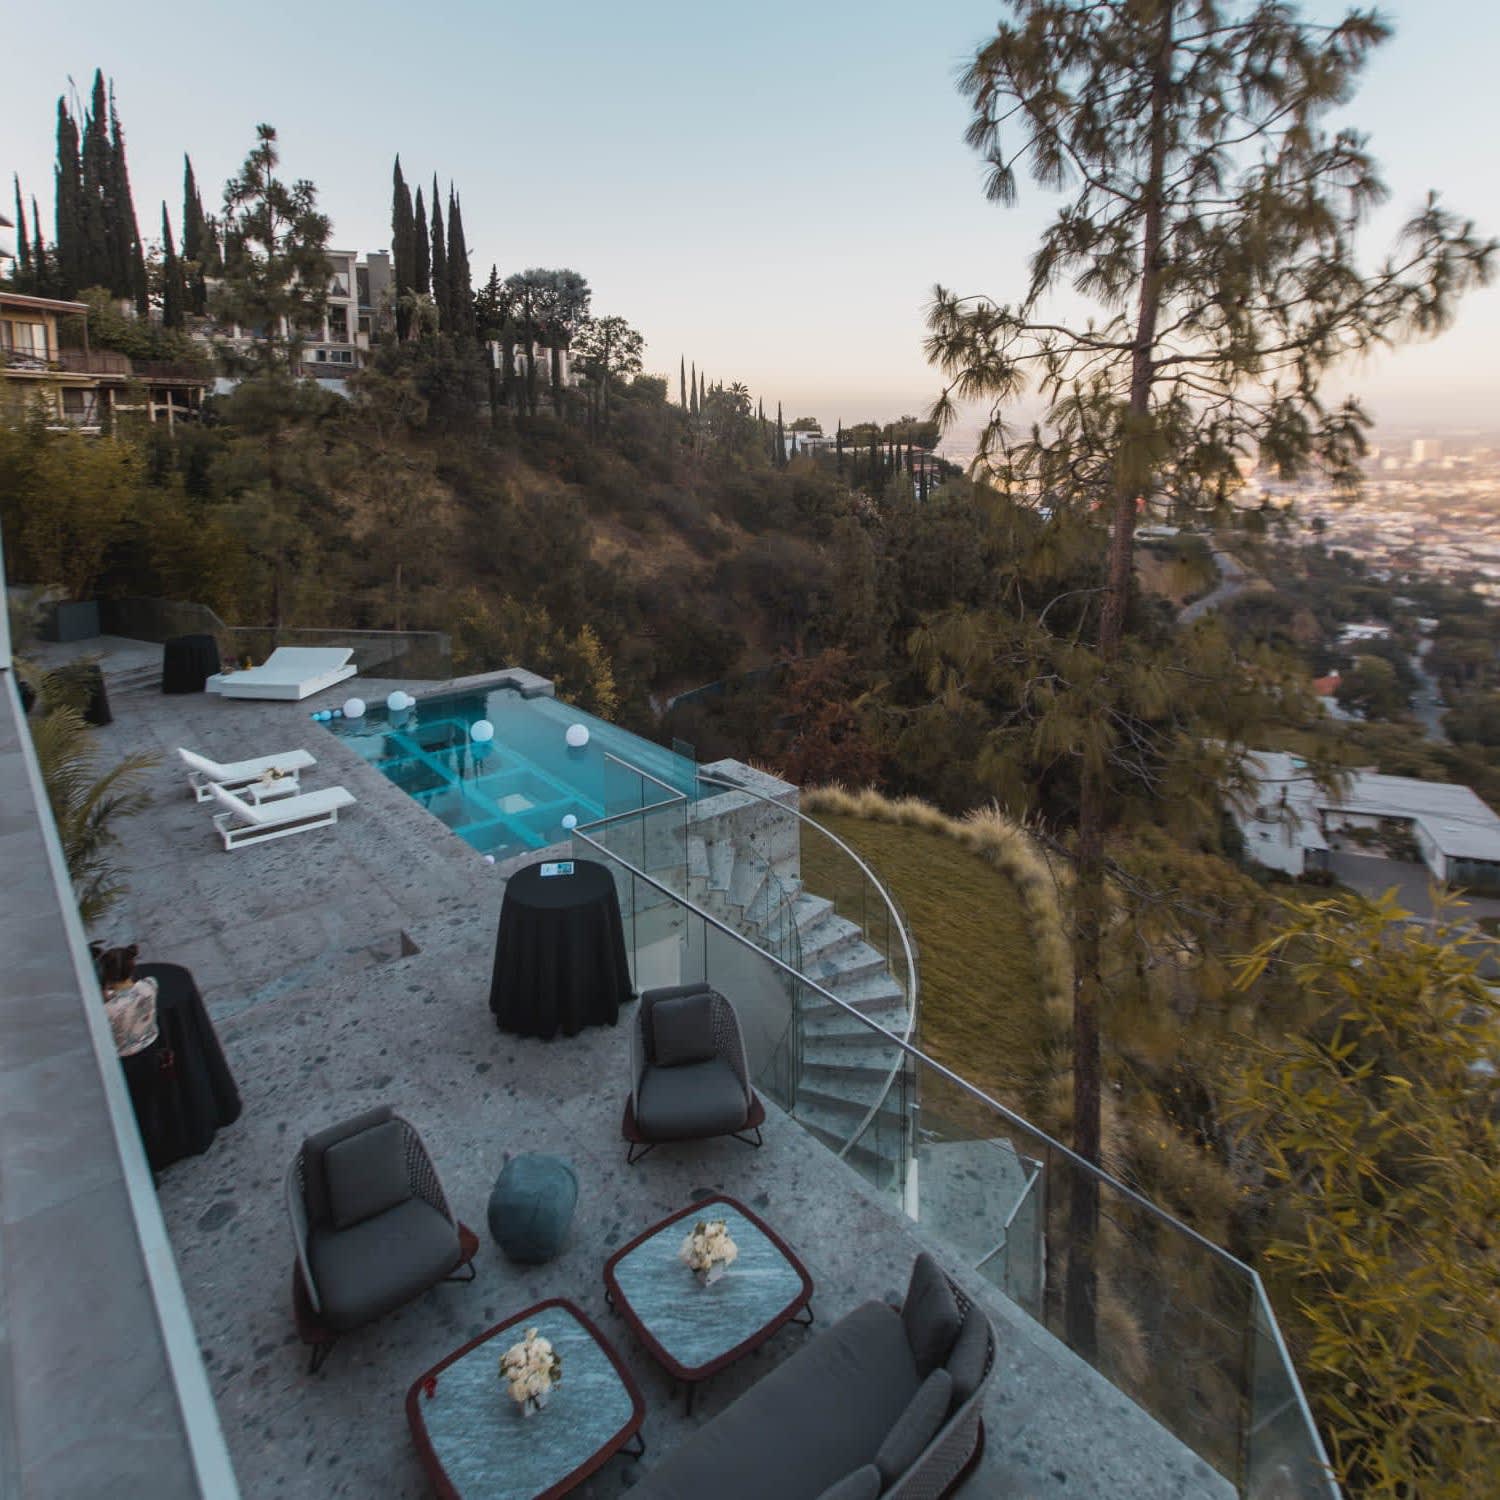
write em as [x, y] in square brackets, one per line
[1290, 823]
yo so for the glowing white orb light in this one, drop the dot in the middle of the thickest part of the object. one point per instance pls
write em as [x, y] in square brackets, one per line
[489, 859]
[396, 701]
[577, 736]
[570, 821]
[482, 732]
[354, 708]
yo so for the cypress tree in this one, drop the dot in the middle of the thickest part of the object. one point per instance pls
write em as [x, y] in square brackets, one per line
[874, 455]
[94, 266]
[129, 254]
[198, 246]
[441, 291]
[682, 380]
[173, 290]
[421, 279]
[402, 248]
[41, 270]
[23, 247]
[69, 201]
[694, 406]
[838, 447]
[460, 287]
[780, 439]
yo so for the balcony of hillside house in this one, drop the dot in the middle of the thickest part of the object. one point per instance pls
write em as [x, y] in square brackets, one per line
[351, 966]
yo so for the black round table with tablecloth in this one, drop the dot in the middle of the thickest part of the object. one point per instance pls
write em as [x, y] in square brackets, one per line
[560, 961]
[187, 662]
[180, 1085]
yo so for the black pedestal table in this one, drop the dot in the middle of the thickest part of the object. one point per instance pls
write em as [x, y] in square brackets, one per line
[187, 662]
[560, 962]
[181, 1086]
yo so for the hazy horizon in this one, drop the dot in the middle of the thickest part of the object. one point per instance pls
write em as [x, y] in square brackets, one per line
[771, 197]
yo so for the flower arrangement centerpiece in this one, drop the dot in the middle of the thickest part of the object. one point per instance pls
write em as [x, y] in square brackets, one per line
[530, 1369]
[708, 1251]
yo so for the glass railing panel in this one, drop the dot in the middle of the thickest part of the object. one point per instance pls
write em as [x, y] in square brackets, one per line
[1283, 1456]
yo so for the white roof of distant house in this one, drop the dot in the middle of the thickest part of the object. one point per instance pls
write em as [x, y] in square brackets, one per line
[1457, 820]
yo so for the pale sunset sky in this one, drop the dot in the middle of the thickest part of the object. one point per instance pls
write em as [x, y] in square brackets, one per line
[770, 191]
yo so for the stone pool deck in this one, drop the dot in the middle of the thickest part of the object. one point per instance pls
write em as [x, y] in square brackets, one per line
[350, 966]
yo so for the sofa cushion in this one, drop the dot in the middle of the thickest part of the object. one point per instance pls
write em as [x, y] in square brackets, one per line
[682, 1030]
[364, 1272]
[366, 1174]
[690, 1101]
[930, 1314]
[315, 1147]
[916, 1427]
[966, 1359]
[807, 1425]
[862, 1484]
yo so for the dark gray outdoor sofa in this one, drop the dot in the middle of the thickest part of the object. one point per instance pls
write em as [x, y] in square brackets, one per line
[884, 1403]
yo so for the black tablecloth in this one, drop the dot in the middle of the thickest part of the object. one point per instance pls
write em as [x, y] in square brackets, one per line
[187, 662]
[181, 1086]
[560, 960]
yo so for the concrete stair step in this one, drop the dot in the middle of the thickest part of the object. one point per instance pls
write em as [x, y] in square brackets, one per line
[848, 962]
[808, 909]
[836, 1028]
[720, 863]
[857, 1074]
[866, 985]
[747, 879]
[697, 858]
[824, 938]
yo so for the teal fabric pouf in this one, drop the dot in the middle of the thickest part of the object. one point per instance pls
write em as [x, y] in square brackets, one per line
[531, 1207]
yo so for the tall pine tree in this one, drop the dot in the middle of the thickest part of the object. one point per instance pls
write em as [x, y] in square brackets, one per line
[403, 247]
[682, 380]
[68, 185]
[95, 265]
[421, 273]
[173, 287]
[23, 246]
[460, 287]
[127, 254]
[441, 291]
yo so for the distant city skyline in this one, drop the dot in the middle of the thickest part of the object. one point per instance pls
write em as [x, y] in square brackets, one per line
[769, 195]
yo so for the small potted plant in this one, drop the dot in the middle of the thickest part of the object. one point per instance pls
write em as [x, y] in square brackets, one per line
[708, 1252]
[530, 1369]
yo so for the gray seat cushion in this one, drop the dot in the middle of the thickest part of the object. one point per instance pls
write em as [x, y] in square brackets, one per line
[682, 1030]
[364, 1272]
[366, 1174]
[862, 1484]
[531, 1207]
[966, 1359]
[314, 1149]
[916, 1426]
[807, 1425]
[930, 1313]
[691, 1101]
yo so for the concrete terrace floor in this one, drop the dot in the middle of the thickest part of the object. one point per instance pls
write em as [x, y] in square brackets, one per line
[296, 946]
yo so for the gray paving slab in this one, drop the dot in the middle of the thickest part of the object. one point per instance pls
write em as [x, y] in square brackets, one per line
[294, 946]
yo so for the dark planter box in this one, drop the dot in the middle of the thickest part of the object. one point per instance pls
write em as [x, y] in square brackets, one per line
[74, 621]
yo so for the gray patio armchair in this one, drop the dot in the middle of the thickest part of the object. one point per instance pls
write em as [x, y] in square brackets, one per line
[690, 1080]
[372, 1227]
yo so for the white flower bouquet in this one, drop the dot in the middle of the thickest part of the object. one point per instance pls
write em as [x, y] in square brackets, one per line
[530, 1369]
[708, 1251]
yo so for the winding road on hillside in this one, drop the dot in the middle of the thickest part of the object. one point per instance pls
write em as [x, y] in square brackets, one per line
[1234, 579]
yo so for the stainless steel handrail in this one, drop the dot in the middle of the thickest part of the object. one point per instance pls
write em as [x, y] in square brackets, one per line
[913, 983]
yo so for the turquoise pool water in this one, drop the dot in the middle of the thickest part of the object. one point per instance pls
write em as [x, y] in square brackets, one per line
[512, 794]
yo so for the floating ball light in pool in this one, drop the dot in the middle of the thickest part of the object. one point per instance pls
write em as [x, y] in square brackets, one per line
[397, 701]
[354, 708]
[577, 736]
[570, 821]
[489, 859]
[482, 732]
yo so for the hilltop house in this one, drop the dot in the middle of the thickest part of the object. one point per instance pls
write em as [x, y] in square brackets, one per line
[84, 387]
[1290, 823]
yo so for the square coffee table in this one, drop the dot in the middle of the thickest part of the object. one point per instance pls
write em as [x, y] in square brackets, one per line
[695, 1331]
[472, 1438]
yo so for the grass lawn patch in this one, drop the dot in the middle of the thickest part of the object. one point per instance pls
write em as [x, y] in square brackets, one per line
[983, 1010]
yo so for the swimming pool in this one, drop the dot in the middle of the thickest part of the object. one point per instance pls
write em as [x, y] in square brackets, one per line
[512, 794]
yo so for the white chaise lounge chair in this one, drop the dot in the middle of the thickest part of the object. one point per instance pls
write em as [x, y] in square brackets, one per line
[246, 775]
[290, 672]
[244, 822]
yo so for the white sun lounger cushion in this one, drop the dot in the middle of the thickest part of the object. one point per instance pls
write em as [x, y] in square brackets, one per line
[243, 823]
[228, 772]
[289, 672]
